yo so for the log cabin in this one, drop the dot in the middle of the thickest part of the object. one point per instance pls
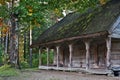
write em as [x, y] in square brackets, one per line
[84, 41]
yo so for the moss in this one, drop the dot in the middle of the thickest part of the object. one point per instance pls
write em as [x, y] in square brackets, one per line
[76, 24]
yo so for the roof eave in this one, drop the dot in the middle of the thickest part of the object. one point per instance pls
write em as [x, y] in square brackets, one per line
[92, 35]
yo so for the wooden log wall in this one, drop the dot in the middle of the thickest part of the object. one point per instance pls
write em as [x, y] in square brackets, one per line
[115, 53]
[79, 56]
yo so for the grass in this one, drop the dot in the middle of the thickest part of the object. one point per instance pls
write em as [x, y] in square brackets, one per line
[30, 69]
[6, 70]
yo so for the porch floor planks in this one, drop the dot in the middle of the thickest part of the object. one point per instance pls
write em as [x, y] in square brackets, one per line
[90, 71]
[61, 68]
[99, 71]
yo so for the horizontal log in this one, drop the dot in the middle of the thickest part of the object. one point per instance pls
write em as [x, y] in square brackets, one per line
[103, 33]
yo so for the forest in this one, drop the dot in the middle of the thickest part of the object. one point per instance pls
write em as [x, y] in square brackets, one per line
[22, 21]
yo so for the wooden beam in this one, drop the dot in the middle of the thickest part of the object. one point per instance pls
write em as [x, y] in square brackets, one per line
[108, 45]
[70, 56]
[48, 51]
[58, 52]
[40, 56]
[102, 33]
[87, 44]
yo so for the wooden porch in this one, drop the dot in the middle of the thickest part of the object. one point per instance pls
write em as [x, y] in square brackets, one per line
[88, 56]
[81, 70]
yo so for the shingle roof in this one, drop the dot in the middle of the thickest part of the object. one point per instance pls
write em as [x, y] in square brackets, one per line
[76, 24]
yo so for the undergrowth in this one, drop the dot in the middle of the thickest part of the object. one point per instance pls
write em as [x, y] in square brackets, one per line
[7, 70]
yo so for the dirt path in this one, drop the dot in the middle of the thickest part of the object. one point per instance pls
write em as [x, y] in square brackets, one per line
[58, 75]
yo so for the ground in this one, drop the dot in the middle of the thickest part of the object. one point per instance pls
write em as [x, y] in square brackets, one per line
[57, 75]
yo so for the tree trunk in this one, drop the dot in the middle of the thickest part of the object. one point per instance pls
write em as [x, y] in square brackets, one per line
[24, 46]
[13, 55]
[30, 44]
[13, 44]
[6, 48]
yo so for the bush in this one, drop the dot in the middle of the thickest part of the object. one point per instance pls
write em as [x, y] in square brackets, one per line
[51, 57]
[6, 70]
[24, 64]
[44, 57]
[4, 67]
[35, 62]
[1, 57]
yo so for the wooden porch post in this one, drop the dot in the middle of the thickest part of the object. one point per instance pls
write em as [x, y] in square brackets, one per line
[70, 56]
[40, 56]
[48, 56]
[108, 45]
[87, 44]
[58, 52]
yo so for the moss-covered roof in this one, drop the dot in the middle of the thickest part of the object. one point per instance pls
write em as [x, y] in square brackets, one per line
[76, 24]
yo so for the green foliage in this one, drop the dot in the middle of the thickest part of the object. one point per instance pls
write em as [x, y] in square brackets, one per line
[44, 57]
[3, 57]
[6, 70]
[24, 64]
[35, 62]
[1, 51]
[73, 5]
[51, 57]
[31, 11]
[4, 67]
[3, 12]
